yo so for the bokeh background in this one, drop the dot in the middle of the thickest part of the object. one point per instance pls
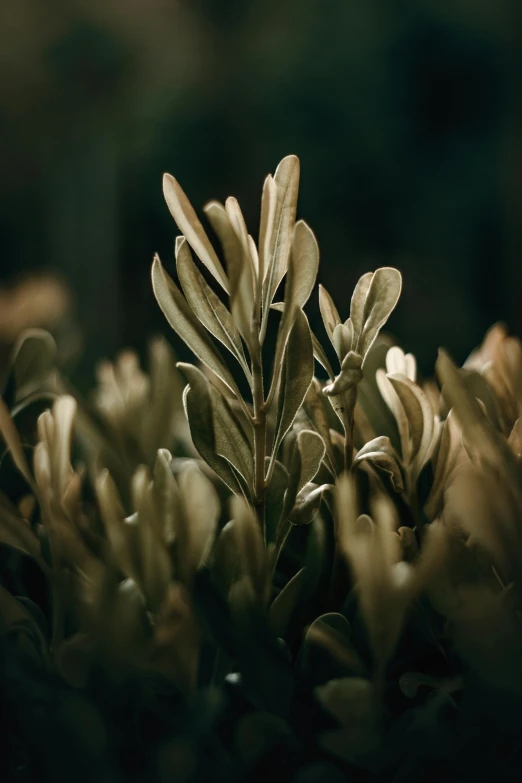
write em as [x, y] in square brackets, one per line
[406, 115]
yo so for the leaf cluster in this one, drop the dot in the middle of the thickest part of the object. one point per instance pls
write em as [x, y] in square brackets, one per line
[230, 569]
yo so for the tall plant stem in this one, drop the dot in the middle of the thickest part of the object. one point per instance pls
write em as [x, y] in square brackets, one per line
[259, 424]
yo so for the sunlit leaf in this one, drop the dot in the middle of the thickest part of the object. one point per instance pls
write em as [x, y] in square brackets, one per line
[357, 305]
[266, 225]
[420, 417]
[239, 263]
[382, 296]
[330, 316]
[380, 453]
[286, 179]
[302, 271]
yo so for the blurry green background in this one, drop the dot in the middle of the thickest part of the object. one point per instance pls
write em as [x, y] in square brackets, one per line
[406, 116]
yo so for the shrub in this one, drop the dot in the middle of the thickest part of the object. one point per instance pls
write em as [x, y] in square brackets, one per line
[231, 569]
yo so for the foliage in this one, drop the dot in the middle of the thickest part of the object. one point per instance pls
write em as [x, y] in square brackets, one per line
[318, 580]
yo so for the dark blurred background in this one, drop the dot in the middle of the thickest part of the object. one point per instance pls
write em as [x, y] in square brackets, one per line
[406, 115]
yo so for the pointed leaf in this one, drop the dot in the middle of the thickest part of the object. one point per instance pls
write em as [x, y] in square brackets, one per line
[190, 226]
[330, 316]
[239, 262]
[342, 341]
[357, 306]
[207, 306]
[200, 415]
[302, 271]
[266, 225]
[182, 319]
[287, 180]
[297, 376]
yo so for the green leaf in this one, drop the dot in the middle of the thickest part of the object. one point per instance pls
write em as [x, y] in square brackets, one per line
[357, 305]
[266, 225]
[328, 650]
[250, 544]
[14, 444]
[302, 272]
[200, 415]
[348, 378]
[189, 225]
[321, 357]
[226, 565]
[182, 319]
[480, 436]
[314, 408]
[152, 557]
[34, 360]
[274, 501]
[329, 314]
[342, 340]
[229, 437]
[304, 263]
[308, 503]
[420, 418]
[198, 524]
[239, 262]
[113, 516]
[382, 296]
[286, 179]
[207, 306]
[287, 602]
[166, 494]
[26, 414]
[307, 456]
[382, 456]
[394, 404]
[450, 439]
[297, 376]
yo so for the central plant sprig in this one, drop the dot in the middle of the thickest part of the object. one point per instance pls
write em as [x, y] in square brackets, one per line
[231, 434]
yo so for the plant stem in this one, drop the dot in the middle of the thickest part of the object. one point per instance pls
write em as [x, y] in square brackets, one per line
[259, 423]
[350, 398]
